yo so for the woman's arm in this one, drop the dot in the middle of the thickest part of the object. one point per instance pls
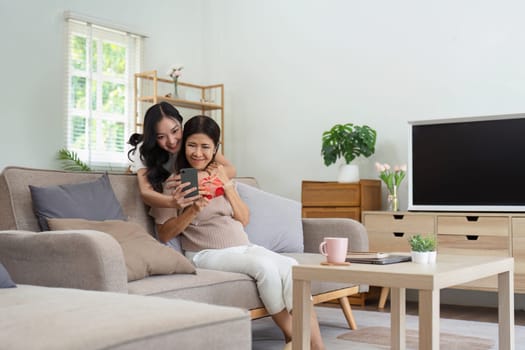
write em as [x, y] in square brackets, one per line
[162, 200]
[220, 159]
[176, 224]
[241, 212]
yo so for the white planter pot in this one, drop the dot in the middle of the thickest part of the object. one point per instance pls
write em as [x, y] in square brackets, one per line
[420, 257]
[348, 173]
[432, 257]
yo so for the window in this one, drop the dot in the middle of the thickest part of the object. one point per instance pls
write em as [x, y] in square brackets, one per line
[101, 63]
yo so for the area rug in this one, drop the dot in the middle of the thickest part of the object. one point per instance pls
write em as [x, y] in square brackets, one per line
[373, 332]
[449, 341]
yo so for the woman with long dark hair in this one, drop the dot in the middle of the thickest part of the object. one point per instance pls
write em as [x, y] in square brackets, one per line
[212, 234]
[153, 154]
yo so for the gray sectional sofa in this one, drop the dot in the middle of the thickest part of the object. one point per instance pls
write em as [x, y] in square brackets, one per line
[87, 261]
[44, 318]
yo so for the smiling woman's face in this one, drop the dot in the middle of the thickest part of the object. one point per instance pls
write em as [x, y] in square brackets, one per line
[200, 150]
[169, 135]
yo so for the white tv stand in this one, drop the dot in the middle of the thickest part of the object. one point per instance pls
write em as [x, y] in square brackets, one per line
[473, 233]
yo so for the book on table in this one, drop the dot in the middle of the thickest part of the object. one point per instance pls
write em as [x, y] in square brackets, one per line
[365, 255]
[377, 258]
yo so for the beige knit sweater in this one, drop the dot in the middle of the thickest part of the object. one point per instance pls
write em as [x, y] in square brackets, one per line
[213, 228]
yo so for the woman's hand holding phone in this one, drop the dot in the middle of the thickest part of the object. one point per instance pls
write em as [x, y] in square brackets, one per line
[180, 192]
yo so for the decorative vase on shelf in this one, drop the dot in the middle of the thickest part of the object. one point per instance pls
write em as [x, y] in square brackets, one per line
[175, 88]
[393, 200]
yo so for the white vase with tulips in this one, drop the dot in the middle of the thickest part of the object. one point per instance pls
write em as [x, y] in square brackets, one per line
[175, 73]
[392, 177]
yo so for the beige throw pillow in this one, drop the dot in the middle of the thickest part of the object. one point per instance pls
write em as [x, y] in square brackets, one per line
[143, 254]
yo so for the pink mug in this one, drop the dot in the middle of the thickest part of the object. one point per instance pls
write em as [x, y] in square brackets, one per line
[334, 248]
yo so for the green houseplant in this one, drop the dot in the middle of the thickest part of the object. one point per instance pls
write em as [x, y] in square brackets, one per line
[347, 142]
[417, 243]
[430, 243]
[423, 249]
[71, 161]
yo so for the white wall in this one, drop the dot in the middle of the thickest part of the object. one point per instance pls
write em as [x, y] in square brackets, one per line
[33, 59]
[292, 69]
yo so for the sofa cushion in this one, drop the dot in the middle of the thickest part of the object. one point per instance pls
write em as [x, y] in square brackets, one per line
[275, 222]
[5, 279]
[34, 317]
[87, 200]
[144, 256]
[208, 286]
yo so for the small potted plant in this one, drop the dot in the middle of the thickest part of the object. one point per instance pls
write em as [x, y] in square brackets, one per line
[420, 247]
[347, 142]
[430, 247]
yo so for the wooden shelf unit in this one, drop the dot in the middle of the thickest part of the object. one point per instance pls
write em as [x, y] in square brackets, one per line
[193, 99]
[321, 199]
[462, 233]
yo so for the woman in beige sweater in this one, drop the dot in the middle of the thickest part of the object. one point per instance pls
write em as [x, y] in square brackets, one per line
[212, 230]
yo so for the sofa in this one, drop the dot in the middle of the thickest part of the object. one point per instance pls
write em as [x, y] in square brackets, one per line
[91, 261]
[45, 318]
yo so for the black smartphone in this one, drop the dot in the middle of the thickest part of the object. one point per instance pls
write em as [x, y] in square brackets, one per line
[190, 175]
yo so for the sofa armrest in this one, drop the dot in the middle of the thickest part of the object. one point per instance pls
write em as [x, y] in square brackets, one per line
[314, 231]
[81, 259]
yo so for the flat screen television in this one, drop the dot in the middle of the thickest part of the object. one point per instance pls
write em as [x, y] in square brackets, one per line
[467, 164]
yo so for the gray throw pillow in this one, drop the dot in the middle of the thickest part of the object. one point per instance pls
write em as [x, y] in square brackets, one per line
[5, 279]
[87, 200]
[275, 222]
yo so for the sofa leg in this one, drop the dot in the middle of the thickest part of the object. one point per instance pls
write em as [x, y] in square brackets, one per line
[347, 311]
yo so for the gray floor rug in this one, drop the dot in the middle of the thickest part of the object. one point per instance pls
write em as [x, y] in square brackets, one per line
[336, 335]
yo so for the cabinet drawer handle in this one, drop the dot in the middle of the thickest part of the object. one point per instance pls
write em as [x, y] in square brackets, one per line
[472, 237]
[398, 216]
[398, 234]
[472, 218]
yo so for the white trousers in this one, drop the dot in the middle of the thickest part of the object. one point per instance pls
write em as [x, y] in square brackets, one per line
[271, 271]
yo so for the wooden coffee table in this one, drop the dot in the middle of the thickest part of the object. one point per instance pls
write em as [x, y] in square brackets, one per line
[450, 270]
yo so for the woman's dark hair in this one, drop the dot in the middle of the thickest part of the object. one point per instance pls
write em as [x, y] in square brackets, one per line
[153, 156]
[200, 124]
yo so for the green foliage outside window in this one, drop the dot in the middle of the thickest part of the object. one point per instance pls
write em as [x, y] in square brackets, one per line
[78, 133]
[105, 131]
[113, 97]
[79, 53]
[114, 59]
[78, 92]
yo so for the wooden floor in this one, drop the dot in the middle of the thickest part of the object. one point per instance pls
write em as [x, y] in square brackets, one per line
[471, 313]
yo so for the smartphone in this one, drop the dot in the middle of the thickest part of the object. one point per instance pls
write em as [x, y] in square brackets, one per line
[190, 175]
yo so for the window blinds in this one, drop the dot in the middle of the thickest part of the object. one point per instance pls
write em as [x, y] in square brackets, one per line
[101, 63]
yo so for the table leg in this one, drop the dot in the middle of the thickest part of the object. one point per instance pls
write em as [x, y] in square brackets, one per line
[382, 297]
[301, 315]
[429, 319]
[506, 310]
[397, 318]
